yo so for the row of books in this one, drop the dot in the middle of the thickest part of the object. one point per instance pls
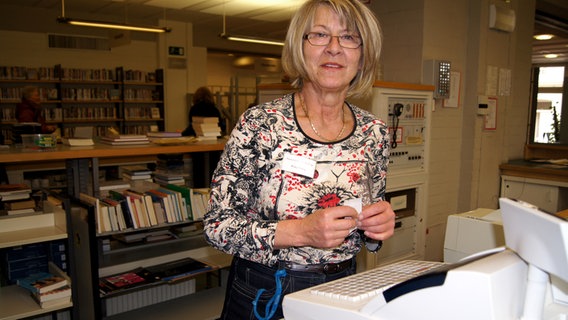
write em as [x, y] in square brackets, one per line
[135, 209]
[15, 93]
[27, 73]
[53, 73]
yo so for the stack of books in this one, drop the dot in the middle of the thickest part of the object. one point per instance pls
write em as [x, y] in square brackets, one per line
[125, 139]
[136, 173]
[206, 127]
[170, 169]
[16, 199]
[48, 289]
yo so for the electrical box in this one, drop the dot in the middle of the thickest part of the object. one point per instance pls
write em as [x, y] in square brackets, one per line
[437, 73]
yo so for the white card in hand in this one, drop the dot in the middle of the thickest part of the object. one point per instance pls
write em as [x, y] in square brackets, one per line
[357, 204]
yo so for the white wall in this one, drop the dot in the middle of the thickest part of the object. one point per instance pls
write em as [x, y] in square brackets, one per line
[464, 158]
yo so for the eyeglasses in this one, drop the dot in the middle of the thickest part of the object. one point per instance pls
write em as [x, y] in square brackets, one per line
[348, 41]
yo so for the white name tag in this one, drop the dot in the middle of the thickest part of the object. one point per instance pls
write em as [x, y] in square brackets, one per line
[299, 165]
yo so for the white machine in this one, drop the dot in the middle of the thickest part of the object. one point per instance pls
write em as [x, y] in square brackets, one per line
[527, 281]
[471, 232]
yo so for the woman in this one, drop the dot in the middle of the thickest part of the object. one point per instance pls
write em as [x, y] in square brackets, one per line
[280, 191]
[29, 110]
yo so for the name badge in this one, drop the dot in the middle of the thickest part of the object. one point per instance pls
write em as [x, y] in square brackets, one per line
[299, 165]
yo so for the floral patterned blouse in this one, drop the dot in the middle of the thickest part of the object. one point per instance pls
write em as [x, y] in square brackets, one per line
[250, 191]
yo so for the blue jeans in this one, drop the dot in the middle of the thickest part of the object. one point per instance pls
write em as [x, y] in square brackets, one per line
[246, 278]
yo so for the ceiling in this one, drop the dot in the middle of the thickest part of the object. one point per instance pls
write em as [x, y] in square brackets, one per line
[265, 18]
[551, 16]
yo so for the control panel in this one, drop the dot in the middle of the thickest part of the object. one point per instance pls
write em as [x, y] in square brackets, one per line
[406, 121]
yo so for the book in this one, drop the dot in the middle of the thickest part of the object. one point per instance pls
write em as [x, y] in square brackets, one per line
[54, 294]
[163, 134]
[118, 137]
[115, 211]
[178, 270]
[54, 302]
[149, 215]
[198, 119]
[123, 143]
[14, 192]
[199, 202]
[19, 204]
[42, 282]
[136, 170]
[127, 177]
[20, 211]
[77, 141]
[175, 200]
[164, 200]
[126, 280]
[90, 200]
[129, 220]
[186, 194]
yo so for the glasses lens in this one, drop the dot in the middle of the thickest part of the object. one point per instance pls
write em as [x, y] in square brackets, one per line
[323, 39]
[349, 41]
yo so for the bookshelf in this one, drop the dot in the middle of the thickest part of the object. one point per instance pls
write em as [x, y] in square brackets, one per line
[16, 302]
[132, 101]
[88, 262]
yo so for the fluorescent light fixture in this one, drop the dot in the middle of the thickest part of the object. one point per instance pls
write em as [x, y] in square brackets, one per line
[551, 56]
[251, 40]
[111, 25]
[543, 36]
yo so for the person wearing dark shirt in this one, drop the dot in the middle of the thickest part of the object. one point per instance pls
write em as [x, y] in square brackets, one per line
[203, 105]
[29, 110]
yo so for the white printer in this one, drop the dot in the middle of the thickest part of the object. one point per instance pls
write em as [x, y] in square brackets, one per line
[471, 232]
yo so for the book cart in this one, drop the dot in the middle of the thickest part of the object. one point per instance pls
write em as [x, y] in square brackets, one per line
[87, 260]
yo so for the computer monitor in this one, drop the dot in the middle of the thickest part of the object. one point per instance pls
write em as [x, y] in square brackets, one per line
[541, 239]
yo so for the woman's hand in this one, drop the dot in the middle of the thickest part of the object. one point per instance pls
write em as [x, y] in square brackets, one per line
[377, 220]
[326, 228]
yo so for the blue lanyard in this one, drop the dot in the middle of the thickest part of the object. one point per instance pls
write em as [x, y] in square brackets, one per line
[272, 304]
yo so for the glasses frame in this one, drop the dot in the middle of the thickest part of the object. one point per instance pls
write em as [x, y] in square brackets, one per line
[307, 37]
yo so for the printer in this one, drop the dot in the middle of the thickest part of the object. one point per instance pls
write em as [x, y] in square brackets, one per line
[470, 232]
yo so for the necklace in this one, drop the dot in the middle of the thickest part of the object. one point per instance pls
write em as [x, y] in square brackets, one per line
[314, 128]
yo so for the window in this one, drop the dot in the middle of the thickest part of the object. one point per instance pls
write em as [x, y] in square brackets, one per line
[547, 107]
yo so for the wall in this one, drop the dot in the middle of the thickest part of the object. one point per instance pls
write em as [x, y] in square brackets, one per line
[464, 158]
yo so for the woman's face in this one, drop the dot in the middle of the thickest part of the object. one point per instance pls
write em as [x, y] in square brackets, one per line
[330, 67]
[35, 98]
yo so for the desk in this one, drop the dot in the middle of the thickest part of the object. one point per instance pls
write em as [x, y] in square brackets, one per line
[542, 184]
[78, 160]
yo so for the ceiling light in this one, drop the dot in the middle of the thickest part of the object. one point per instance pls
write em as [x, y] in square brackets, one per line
[251, 40]
[551, 56]
[543, 36]
[111, 25]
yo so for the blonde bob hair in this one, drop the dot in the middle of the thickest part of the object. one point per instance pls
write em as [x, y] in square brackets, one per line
[357, 18]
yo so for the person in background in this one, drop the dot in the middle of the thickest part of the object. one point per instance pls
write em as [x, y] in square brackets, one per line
[29, 110]
[203, 105]
[287, 193]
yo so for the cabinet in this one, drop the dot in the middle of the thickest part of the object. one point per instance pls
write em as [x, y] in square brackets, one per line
[16, 302]
[130, 101]
[88, 262]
